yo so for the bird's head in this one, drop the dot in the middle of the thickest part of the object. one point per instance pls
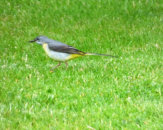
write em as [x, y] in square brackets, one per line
[40, 40]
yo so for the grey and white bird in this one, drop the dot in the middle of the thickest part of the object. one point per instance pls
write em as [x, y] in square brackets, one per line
[61, 52]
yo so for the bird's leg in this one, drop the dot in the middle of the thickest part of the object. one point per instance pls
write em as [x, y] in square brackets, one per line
[66, 64]
[55, 67]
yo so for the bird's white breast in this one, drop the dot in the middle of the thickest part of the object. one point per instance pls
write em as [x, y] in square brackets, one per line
[58, 56]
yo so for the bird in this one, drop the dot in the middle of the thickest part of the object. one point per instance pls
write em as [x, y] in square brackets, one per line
[61, 52]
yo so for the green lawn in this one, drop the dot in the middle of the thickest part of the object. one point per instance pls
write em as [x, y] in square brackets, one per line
[94, 92]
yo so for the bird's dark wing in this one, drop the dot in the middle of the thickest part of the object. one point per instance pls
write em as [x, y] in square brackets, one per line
[66, 49]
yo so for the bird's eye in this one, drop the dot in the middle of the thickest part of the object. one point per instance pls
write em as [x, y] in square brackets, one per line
[37, 39]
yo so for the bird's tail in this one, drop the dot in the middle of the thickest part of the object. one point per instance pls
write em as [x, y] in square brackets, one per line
[100, 54]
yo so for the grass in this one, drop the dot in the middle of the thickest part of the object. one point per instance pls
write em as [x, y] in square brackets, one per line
[94, 92]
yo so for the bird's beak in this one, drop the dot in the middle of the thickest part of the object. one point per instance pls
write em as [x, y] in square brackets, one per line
[32, 41]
